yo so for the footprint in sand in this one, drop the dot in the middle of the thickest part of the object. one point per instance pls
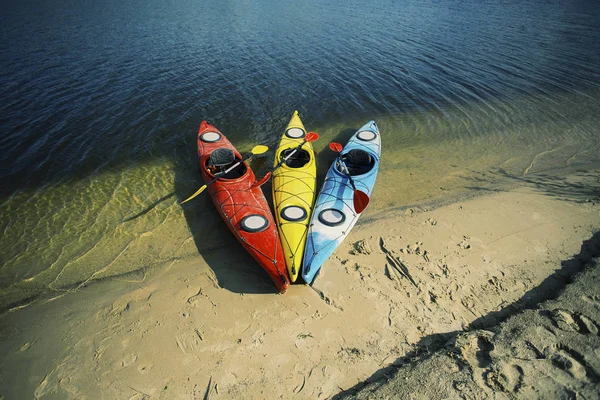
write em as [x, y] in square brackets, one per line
[484, 348]
[572, 362]
[361, 247]
[508, 378]
[594, 300]
[566, 321]
[64, 382]
[589, 325]
[476, 348]
[128, 360]
[188, 341]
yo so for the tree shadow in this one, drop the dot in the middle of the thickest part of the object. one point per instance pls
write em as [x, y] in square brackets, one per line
[549, 289]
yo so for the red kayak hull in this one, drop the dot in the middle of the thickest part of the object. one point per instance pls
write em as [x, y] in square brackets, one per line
[239, 199]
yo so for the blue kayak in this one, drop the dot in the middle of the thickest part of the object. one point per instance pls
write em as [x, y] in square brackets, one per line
[333, 215]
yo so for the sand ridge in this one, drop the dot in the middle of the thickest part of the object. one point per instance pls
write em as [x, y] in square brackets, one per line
[550, 351]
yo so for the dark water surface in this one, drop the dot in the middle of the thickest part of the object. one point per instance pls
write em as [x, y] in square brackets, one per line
[101, 100]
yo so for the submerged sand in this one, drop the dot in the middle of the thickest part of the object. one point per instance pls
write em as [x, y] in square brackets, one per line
[431, 299]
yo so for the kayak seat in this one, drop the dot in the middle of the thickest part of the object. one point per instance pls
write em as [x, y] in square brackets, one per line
[221, 157]
[221, 160]
[299, 159]
[358, 162]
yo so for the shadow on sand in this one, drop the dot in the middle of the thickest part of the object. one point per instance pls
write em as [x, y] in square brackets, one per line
[549, 289]
[234, 268]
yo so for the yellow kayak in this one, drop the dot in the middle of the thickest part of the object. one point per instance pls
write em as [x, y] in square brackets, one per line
[294, 185]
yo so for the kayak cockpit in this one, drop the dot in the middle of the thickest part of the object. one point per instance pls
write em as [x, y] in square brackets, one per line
[222, 162]
[297, 160]
[357, 161]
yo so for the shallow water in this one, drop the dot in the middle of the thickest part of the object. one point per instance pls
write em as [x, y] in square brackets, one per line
[101, 102]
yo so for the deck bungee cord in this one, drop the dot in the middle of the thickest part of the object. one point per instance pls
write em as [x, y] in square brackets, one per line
[237, 195]
[294, 190]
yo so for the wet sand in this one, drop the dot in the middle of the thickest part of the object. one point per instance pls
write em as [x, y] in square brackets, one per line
[61, 236]
[438, 298]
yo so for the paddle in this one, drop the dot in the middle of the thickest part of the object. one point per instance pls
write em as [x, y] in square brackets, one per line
[361, 199]
[310, 137]
[255, 150]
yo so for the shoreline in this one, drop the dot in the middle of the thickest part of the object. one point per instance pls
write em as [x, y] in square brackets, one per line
[211, 325]
[369, 217]
[560, 181]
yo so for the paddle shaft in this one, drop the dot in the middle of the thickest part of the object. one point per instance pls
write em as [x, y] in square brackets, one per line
[219, 174]
[346, 172]
[360, 199]
[217, 177]
[289, 155]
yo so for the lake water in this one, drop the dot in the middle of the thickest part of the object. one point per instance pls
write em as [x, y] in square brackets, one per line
[101, 101]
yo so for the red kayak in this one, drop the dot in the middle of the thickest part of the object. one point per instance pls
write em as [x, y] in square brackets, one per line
[242, 204]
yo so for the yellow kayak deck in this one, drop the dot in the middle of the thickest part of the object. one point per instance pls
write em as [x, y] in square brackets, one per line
[294, 186]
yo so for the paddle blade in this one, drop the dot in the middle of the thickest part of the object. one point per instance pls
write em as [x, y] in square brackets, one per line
[260, 149]
[311, 136]
[335, 147]
[361, 201]
[263, 180]
[195, 194]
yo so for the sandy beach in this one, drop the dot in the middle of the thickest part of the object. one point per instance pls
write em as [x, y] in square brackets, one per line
[480, 297]
[473, 272]
[549, 352]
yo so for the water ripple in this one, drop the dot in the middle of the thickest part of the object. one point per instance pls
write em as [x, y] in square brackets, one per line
[100, 103]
